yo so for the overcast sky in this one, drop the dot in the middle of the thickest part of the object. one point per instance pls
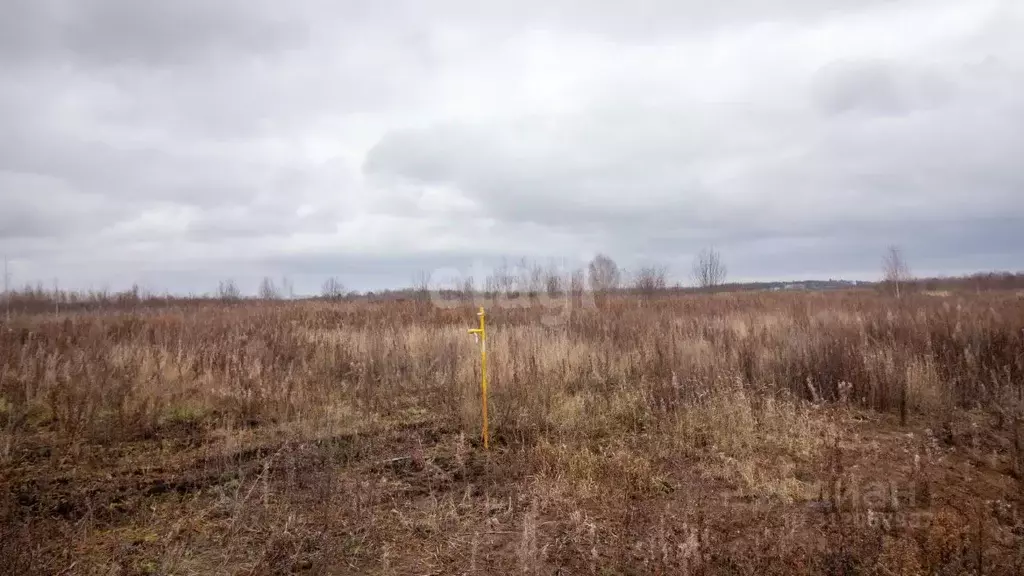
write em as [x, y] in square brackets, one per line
[176, 143]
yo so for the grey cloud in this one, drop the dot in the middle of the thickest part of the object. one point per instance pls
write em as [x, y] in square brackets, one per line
[67, 188]
[26, 31]
[111, 32]
[134, 173]
[937, 247]
[644, 21]
[182, 142]
[277, 217]
[35, 206]
[878, 87]
[114, 32]
[548, 170]
[597, 168]
[20, 221]
[741, 175]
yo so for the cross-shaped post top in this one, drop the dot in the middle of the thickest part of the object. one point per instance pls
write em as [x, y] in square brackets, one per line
[479, 330]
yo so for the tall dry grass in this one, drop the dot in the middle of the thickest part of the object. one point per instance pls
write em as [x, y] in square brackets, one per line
[97, 377]
[595, 408]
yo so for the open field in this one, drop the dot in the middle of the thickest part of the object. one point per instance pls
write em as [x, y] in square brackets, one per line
[784, 433]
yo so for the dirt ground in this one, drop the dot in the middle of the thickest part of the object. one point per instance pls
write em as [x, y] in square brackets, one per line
[421, 499]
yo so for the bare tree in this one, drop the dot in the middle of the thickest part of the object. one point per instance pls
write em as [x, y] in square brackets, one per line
[554, 283]
[268, 290]
[228, 290]
[577, 285]
[650, 279]
[604, 274]
[895, 269]
[468, 289]
[520, 274]
[708, 269]
[504, 278]
[333, 289]
[287, 288]
[7, 292]
[537, 284]
[421, 285]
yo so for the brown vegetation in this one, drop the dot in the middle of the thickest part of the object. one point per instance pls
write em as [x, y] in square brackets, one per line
[843, 433]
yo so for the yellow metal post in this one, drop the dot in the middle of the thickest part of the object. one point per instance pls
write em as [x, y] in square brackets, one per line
[481, 333]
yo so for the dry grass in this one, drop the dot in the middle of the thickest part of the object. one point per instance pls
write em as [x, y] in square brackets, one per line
[745, 433]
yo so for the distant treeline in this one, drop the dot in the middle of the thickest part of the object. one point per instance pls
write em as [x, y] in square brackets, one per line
[39, 299]
[982, 281]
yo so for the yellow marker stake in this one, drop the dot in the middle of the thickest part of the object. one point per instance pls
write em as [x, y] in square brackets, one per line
[482, 335]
